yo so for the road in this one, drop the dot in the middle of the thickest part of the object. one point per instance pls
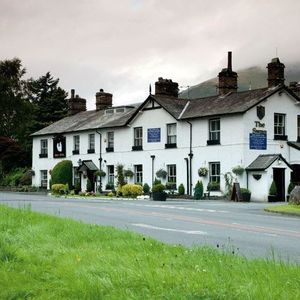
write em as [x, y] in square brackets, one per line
[242, 228]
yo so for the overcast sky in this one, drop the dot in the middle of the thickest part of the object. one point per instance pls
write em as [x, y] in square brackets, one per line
[124, 45]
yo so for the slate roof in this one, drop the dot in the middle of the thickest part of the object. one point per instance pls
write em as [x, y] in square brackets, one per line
[264, 161]
[87, 120]
[230, 103]
[295, 145]
[89, 165]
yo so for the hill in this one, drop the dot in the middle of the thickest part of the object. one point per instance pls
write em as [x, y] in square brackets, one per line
[254, 77]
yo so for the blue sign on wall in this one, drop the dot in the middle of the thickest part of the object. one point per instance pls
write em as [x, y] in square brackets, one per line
[153, 135]
[258, 140]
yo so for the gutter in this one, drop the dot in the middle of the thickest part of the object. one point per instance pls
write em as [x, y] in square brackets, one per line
[100, 157]
[191, 157]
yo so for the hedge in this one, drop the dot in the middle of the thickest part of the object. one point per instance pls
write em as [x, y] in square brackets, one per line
[62, 173]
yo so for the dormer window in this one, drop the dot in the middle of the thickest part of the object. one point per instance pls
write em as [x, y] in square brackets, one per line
[109, 111]
[120, 110]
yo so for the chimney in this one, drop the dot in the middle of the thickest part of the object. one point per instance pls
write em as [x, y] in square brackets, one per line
[166, 87]
[275, 72]
[75, 104]
[228, 78]
[103, 100]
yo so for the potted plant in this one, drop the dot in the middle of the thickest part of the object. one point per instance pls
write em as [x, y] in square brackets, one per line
[246, 194]
[161, 173]
[202, 172]
[213, 186]
[158, 193]
[238, 170]
[272, 192]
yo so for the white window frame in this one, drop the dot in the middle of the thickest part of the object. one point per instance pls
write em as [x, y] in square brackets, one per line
[44, 146]
[215, 171]
[76, 143]
[172, 133]
[111, 174]
[138, 174]
[172, 173]
[110, 139]
[44, 178]
[138, 136]
[92, 141]
[279, 124]
[214, 129]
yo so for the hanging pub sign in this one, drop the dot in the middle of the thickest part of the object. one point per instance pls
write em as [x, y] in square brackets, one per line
[153, 135]
[59, 146]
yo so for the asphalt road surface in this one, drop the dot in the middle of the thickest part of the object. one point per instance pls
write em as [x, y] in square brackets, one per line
[242, 228]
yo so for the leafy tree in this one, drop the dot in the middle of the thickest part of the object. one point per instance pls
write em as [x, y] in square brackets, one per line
[49, 101]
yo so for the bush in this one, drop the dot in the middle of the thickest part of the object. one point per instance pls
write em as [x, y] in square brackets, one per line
[198, 191]
[156, 181]
[146, 188]
[245, 191]
[62, 173]
[120, 175]
[60, 189]
[77, 187]
[110, 194]
[181, 189]
[213, 186]
[14, 177]
[158, 188]
[273, 189]
[132, 190]
[110, 186]
[89, 186]
[290, 187]
[26, 179]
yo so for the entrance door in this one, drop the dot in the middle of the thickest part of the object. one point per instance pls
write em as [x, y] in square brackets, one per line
[295, 175]
[279, 179]
[90, 175]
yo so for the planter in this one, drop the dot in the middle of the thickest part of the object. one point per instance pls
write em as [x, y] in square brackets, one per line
[272, 198]
[159, 196]
[246, 197]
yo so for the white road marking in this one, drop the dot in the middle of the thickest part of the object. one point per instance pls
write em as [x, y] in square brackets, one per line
[170, 229]
[179, 207]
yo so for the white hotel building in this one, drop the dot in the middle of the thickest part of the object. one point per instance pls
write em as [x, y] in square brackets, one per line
[258, 130]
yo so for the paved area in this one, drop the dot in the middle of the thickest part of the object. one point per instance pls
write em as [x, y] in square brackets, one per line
[242, 228]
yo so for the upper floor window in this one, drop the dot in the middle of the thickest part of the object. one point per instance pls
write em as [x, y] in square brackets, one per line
[44, 179]
[138, 174]
[171, 135]
[171, 180]
[214, 132]
[138, 138]
[110, 141]
[44, 148]
[279, 127]
[298, 128]
[215, 174]
[91, 143]
[76, 144]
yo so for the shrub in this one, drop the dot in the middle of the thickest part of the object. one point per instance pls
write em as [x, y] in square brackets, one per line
[198, 191]
[213, 186]
[161, 173]
[110, 194]
[60, 189]
[245, 191]
[62, 173]
[146, 188]
[132, 190]
[158, 188]
[110, 186]
[77, 187]
[156, 181]
[238, 170]
[202, 172]
[26, 179]
[181, 190]
[120, 175]
[273, 189]
[290, 187]
[14, 177]
[89, 186]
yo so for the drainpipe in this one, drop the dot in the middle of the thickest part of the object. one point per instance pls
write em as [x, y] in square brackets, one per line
[100, 158]
[152, 157]
[187, 176]
[191, 156]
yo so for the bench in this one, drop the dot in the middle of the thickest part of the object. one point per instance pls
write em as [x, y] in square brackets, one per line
[206, 194]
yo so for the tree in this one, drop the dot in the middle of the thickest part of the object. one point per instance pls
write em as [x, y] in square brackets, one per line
[49, 101]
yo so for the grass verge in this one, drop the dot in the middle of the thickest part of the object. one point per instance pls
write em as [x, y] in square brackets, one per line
[46, 257]
[288, 209]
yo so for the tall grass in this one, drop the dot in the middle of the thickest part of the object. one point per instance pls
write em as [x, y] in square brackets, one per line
[46, 257]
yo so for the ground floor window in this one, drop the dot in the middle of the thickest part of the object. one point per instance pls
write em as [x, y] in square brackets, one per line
[76, 179]
[110, 177]
[171, 169]
[44, 178]
[138, 174]
[214, 172]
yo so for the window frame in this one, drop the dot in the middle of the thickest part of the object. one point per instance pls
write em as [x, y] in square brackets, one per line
[213, 173]
[279, 125]
[138, 174]
[110, 174]
[171, 138]
[91, 142]
[44, 179]
[298, 128]
[43, 148]
[172, 173]
[138, 137]
[76, 143]
[110, 135]
[214, 135]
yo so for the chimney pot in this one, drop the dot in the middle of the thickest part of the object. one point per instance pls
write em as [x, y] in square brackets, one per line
[166, 87]
[103, 100]
[229, 67]
[72, 93]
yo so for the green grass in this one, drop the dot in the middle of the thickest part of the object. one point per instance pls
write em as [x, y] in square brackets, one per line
[285, 209]
[46, 257]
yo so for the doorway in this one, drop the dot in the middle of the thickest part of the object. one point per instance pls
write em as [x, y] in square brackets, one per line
[279, 179]
[295, 175]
